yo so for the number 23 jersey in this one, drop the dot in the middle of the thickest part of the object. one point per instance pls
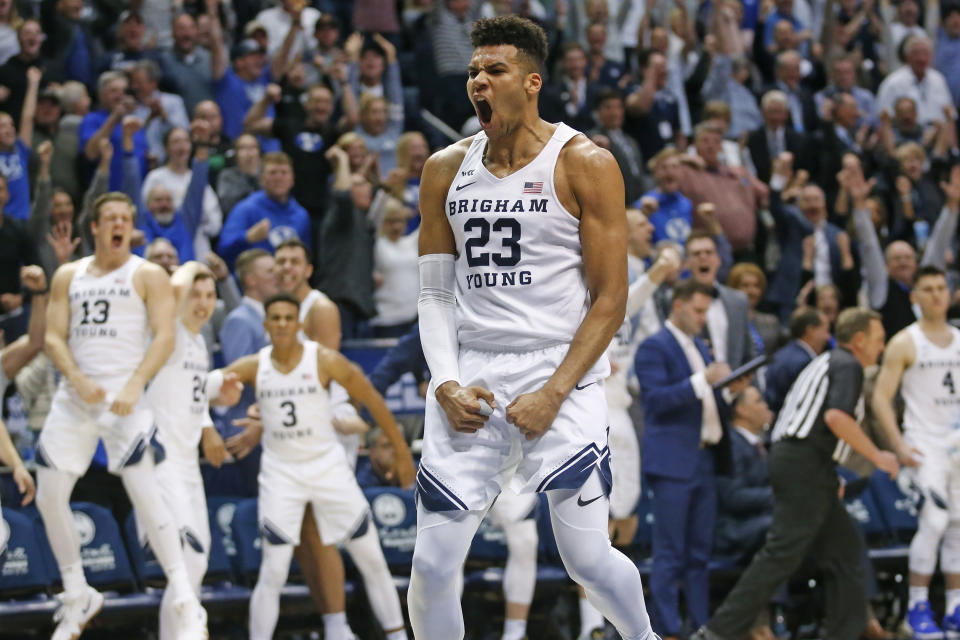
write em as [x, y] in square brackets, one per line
[519, 266]
[109, 331]
[295, 409]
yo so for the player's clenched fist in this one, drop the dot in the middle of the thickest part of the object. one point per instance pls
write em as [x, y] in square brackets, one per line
[88, 390]
[464, 411]
[127, 399]
[533, 413]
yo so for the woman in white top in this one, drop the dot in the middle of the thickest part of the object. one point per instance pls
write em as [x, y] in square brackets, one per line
[175, 176]
[395, 273]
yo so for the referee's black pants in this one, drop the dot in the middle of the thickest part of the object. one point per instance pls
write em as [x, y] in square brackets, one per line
[808, 520]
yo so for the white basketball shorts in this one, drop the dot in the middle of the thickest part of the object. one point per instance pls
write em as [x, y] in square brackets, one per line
[466, 471]
[286, 488]
[73, 427]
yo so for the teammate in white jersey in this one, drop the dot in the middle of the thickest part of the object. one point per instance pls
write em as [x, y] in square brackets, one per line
[319, 318]
[109, 330]
[303, 465]
[923, 360]
[14, 357]
[178, 397]
[523, 283]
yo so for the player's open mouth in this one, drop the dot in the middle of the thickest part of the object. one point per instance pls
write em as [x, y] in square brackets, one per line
[116, 240]
[484, 111]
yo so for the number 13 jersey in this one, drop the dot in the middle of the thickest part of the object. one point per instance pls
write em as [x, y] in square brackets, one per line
[295, 409]
[519, 266]
[109, 332]
[931, 386]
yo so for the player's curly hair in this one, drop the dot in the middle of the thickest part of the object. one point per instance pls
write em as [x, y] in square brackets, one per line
[527, 36]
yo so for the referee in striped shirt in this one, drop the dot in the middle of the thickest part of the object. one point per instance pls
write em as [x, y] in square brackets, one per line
[817, 428]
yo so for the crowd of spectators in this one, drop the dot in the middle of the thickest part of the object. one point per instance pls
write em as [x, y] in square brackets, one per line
[802, 152]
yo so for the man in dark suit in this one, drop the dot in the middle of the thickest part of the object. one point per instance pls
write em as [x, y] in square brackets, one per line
[810, 334]
[727, 327]
[745, 508]
[682, 435]
[793, 225]
[610, 134]
[789, 79]
[571, 97]
[775, 136]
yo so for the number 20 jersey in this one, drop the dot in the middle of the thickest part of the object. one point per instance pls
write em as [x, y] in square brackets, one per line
[931, 386]
[295, 408]
[109, 332]
[519, 266]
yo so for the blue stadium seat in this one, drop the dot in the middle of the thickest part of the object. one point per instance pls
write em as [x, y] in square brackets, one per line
[145, 565]
[23, 569]
[395, 515]
[897, 509]
[862, 507]
[246, 537]
[102, 551]
[222, 510]
[489, 543]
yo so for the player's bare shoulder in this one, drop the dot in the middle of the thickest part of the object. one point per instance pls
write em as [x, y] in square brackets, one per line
[441, 168]
[901, 349]
[586, 173]
[150, 279]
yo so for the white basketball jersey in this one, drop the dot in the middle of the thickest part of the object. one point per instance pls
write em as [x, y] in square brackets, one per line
[178, 394]
[305, 306]
[296, 409]
[109, 332]
[931, 386]
[520, 280]
[339, 398]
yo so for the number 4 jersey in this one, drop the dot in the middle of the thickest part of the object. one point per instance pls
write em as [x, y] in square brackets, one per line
[178, 395]
[520, 280]
[931, 387]
[296, 409]
[109, 332]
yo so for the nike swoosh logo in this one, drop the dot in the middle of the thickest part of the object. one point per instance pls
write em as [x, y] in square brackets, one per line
[582, 387]
[581, 502]
[464, 186]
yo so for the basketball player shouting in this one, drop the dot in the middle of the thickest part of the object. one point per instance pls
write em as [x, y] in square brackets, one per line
[523, 284]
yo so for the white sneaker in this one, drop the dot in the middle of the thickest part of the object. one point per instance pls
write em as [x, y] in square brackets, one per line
[193, 620]
[75, 613]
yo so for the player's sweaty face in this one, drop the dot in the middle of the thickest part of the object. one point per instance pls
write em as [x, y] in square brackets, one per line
[282, 321]
[114, 225]
[202, 300]
[495, 85]
[290, 267]
[932, 294]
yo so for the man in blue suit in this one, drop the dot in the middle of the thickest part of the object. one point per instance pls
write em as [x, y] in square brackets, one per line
[243, 334]
[810, 333]
[683, 447]
[745, 496]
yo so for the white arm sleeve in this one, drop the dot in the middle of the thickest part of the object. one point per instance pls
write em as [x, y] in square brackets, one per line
[438, 327]
[214, 384]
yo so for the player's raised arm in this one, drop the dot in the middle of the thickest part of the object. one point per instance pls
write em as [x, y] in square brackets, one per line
[182, 280]
[153, 284]
[58, 321]
[25, 348]
[597, 187]
[899, 355]
[352, 379]
[437, 302]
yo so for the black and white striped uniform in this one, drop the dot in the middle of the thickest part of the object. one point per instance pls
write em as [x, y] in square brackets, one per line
[833, 380]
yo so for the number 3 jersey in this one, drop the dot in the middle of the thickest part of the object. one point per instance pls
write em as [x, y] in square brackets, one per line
[519, 267]
[295, 408]
[931, 386]
[178, 395]
[109, 332]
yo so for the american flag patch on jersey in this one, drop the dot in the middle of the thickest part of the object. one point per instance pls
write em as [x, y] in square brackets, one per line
[533, 187]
